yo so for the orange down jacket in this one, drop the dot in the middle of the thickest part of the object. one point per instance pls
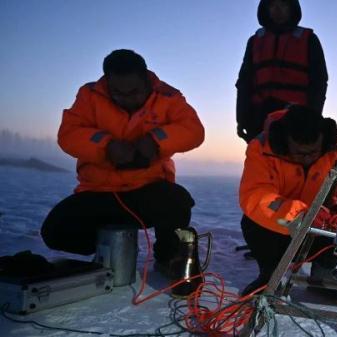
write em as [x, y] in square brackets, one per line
[94, 120]
[274, 188]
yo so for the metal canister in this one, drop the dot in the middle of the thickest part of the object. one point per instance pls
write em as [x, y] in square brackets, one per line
[117, 248]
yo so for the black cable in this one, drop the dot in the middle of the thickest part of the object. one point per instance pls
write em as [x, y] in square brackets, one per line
[176, 320]
[4, 312]
[300, 327]
[242, 305]
[214, 315]
[304, 310]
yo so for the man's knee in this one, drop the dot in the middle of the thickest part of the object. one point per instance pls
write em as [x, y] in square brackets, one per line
[53, 230]
[183, 197]
[181, 205]
[169, 192]
[49, 234]
[69, 238]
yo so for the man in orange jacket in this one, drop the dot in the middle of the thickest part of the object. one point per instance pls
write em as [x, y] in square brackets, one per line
[123, 131]
[284, 169]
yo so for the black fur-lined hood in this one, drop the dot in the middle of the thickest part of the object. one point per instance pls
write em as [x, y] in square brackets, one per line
[294, 121]
[264, 18]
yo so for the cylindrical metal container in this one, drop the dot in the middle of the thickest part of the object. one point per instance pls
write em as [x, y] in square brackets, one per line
[117, 248]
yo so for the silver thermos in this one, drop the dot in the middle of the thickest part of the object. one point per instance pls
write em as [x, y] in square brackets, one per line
[117, 249]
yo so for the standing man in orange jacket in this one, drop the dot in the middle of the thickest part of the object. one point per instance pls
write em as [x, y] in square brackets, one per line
[123, 130]
[284, 169]
[283, 63]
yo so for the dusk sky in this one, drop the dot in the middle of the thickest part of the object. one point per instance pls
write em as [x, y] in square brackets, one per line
[49, 48]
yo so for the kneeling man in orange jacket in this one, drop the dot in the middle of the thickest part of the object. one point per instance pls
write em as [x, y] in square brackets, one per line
[123, 130]
[284, 169]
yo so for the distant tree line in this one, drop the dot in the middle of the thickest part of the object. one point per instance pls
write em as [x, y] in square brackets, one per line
[15, 145]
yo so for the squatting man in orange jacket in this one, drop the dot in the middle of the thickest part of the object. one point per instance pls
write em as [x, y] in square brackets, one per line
[123, 130]
[284, 169]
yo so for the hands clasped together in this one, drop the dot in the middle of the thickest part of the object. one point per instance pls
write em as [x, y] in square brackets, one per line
[132, 155]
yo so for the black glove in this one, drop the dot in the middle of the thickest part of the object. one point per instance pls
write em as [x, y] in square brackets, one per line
[147, 147]
[139, 162]
[130, 156]
[120, 152]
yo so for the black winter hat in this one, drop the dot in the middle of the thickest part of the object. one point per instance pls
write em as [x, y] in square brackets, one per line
[265, 20]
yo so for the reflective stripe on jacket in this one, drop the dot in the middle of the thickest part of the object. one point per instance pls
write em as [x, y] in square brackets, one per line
[94, 120]
[281, 65]
[274, 188]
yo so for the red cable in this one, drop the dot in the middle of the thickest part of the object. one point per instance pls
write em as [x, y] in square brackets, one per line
[223, 319]
[216, 321]
[313, 257]
[229, 313]
[149, 250]
[207, 320]
[135, 299]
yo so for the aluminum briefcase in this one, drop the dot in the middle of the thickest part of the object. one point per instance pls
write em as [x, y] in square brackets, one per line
[77, 281]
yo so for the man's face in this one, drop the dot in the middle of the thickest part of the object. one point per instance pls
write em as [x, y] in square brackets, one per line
[279, 11]
[305, 154]
[129, 92]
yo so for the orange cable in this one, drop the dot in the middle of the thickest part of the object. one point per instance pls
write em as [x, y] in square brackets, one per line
[135, 299]
[313, 257]
[149, 249]
[199, 318]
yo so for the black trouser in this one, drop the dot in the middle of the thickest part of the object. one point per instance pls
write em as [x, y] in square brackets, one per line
[72, 224]
[268, 247]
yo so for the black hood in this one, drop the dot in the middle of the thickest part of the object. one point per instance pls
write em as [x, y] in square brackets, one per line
[265, 21]
[303, 122]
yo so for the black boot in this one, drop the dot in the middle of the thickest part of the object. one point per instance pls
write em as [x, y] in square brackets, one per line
[186, 264]
[259, 282]
[165, 249]
[323, 273]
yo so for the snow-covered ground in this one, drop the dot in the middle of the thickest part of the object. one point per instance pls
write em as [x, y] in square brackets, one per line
[26, 196]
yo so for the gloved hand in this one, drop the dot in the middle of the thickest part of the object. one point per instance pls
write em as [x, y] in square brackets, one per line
[147, 147]
[333, 223]
[332, 200]
[120, 152]
[242, 132]
[322, 218]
